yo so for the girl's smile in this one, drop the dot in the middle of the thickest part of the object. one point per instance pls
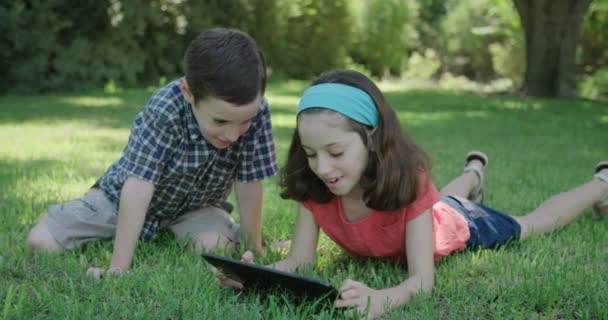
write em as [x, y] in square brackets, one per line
[331, 183]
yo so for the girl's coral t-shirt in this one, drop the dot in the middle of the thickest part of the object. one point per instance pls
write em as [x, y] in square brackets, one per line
[382, 233]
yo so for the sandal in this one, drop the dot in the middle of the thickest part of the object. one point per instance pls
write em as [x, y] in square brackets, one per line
[476, 195]
[600, 209]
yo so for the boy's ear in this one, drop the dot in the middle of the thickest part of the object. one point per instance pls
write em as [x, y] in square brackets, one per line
[183, 85]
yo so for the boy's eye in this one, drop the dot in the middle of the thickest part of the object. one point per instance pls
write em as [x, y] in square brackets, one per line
[219, 121]
[336, 154]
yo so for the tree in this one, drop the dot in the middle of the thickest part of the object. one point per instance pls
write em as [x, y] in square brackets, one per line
[551, 30]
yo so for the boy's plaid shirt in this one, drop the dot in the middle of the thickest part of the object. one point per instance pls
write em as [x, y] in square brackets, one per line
[166, 148]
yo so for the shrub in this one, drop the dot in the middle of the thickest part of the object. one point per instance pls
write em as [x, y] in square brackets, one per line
[596, 85]
[387, 31]
[423, 67]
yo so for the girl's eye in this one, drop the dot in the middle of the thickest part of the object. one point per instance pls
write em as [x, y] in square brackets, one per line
[310, 155]
[337, 154]
[219, 121]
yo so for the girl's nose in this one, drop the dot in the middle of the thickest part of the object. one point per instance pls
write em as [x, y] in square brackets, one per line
[323, 165]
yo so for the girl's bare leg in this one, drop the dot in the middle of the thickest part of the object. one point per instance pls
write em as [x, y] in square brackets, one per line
[561, 209]
[463, 185]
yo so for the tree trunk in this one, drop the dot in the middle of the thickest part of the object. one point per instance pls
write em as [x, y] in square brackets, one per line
[551, 31]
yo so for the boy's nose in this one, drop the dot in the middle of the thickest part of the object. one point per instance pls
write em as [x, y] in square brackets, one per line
[233, 134]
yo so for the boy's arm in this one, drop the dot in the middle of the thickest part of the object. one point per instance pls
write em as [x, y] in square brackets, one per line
[419, 247]
[249, 199]
[135, 197]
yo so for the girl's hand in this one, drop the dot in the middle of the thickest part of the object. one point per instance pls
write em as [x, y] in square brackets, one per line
[227, 282]
[97, 273]
[367, 302]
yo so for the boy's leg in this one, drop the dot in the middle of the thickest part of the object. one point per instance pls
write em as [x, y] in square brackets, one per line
[208, 228]
[561, 209]
[69, 225]
[40, 237]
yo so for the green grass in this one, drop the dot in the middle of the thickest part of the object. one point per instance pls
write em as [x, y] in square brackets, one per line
[52, 148]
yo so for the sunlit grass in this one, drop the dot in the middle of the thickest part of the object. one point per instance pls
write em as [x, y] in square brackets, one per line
[89, 101]
[52, 148]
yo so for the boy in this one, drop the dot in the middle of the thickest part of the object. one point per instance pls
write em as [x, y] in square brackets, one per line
[194, 137]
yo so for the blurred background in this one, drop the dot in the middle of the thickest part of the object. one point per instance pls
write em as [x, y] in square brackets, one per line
[553, 48]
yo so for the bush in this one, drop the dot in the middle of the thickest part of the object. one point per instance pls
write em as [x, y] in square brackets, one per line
[450, 82]
[594, 38]
[55, 45]
[387, 29]
[317, 38]
[509, 59]
[470, 27]
[596, 85]
[423, 67]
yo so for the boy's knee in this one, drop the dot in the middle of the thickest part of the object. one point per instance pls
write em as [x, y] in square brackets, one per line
[39, 238]
[207, 241]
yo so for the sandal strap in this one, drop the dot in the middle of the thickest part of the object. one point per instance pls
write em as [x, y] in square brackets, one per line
[602, 176]
[598, 208]
[602, 204]
[478, 193]
[477, 170]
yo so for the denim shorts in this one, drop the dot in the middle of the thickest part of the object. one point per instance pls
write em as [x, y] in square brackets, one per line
[489, 228]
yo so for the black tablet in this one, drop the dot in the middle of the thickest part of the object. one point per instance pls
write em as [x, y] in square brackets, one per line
[264, 278]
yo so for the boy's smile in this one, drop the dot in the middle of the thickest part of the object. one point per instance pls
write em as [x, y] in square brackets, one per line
[336, 155]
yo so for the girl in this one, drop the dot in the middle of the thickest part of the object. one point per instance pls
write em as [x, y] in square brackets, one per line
[366, 184]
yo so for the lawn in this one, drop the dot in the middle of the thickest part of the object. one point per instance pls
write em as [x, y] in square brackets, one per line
[53, 147]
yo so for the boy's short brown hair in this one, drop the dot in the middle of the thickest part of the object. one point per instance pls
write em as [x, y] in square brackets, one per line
[227, 64]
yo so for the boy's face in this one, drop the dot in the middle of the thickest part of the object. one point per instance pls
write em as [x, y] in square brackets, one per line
[223, 123]
[335, 153]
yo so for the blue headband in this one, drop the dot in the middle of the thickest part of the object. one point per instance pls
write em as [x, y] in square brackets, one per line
[349, 101]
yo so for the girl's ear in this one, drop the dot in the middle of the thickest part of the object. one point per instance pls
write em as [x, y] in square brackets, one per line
[183, 85]
[370, 141]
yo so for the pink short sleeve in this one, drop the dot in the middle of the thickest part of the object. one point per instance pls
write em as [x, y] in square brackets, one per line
[427, 197]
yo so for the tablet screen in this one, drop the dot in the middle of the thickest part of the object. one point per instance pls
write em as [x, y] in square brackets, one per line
[264, 278]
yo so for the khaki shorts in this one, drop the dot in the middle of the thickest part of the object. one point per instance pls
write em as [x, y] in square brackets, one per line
[93, 217]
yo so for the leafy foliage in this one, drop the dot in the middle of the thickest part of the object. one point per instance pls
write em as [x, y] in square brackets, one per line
[56, 45]
[387, 32]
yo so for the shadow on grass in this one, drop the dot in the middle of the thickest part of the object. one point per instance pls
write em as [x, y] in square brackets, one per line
[97, 109]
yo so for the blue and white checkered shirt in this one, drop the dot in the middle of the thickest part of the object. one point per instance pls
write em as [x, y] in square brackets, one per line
[167, 149]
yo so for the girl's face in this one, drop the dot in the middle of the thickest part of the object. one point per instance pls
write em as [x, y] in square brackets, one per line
[335, 154]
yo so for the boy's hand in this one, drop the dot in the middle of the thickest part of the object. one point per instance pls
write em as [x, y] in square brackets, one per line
[248, 256]
[97, 273]
[365, 301]
[227, 282]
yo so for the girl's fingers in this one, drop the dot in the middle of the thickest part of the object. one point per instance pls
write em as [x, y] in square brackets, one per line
[351, 293]
[342, 303]
[349, 284]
